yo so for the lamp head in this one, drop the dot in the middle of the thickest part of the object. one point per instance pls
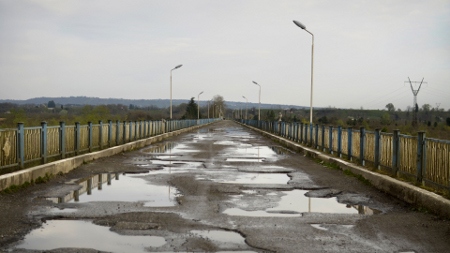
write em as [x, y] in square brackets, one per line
[178, 66]
[299, 24]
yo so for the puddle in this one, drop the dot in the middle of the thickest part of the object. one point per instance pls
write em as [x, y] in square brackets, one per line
[295, 202]
[128, 189]
[240, 212]
[258, 151]
[250, 159]
[254, 178]
[223, 239]
[327, 227]
[281, 150]
[168, 147]
[62, 210]
[176, 162]
[84, 234]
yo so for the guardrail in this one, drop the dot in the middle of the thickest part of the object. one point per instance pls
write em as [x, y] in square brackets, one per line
[27, 146]
[419, 159]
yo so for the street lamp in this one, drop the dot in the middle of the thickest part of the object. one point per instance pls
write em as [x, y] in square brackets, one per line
[259, 107]
[312, 68]
[198, 107]
[178, 66]
[245, 106]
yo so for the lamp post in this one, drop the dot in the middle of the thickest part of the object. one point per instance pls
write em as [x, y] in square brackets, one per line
[245, 106]
[312, 68]
[178, 66]
[259, 107]
[198, 107]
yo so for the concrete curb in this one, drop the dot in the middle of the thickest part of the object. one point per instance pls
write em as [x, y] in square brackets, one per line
[65, 165]
[402, 190]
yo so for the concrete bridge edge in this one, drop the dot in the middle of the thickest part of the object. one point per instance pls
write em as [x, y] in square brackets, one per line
[402, 190]
[65, 165]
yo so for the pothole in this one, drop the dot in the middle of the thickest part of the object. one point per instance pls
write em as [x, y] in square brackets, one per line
[294, 203]
[84, 234]
[130, 188]
[245, 159]
[253, 178]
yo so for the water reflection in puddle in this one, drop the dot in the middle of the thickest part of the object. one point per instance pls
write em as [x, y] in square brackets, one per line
[326, 227]
[168, 148]
[129, 188]
[84, 234]
[294, 202]
[254, 178]
[242, 159]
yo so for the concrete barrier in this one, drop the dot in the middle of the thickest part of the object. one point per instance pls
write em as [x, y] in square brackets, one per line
[65, 165]
[402, 190]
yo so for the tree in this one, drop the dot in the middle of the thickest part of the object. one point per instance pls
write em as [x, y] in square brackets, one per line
[218, 107]
[390, 107]
[51, 104]
[426, 107]
[191, 110]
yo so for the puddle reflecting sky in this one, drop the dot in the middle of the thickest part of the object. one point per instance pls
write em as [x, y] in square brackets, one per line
[73, 233]
[133, 189]
[127, 188]
[253, 178]
[294, 202]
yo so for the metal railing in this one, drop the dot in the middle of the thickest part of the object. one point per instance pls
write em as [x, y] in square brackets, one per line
[26, 146]
[424, 160]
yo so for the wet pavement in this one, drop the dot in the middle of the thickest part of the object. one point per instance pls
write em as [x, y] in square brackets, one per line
[222, 188]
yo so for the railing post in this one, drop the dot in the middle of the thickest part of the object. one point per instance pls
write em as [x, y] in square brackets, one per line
[316, 142]
[339, 142]
[395, 151]
[301, 132]
[77, 138]
[20, 145]
[421, 155]
[109, 133]
[323, 138]
[136, 130]
[90, 136]
[306, 134]
[377, 149]
[117, 132]
[130, 131]
[349, 150]
[62, 139]
[311, 134]
[124, 132]
[43, 142]
[362, 136]
[330, 139]
[100, 134]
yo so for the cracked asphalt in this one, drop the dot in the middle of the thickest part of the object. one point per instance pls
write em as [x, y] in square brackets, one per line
[221, 188]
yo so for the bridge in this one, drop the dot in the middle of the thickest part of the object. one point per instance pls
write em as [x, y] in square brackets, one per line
[218, 186]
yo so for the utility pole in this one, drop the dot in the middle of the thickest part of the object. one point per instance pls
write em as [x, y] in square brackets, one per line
[415, 105]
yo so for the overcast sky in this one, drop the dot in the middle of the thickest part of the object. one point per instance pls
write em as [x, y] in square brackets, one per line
[364, 51]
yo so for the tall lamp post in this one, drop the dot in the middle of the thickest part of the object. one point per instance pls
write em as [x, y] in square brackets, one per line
[259, 107]
[178, 66]
[245, 106]
[312, 68]
[198, 107]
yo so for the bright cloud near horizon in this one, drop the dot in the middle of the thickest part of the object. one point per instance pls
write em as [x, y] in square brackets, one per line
[364, 51]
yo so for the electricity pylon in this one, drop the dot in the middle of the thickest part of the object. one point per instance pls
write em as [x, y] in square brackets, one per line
[415, 105]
